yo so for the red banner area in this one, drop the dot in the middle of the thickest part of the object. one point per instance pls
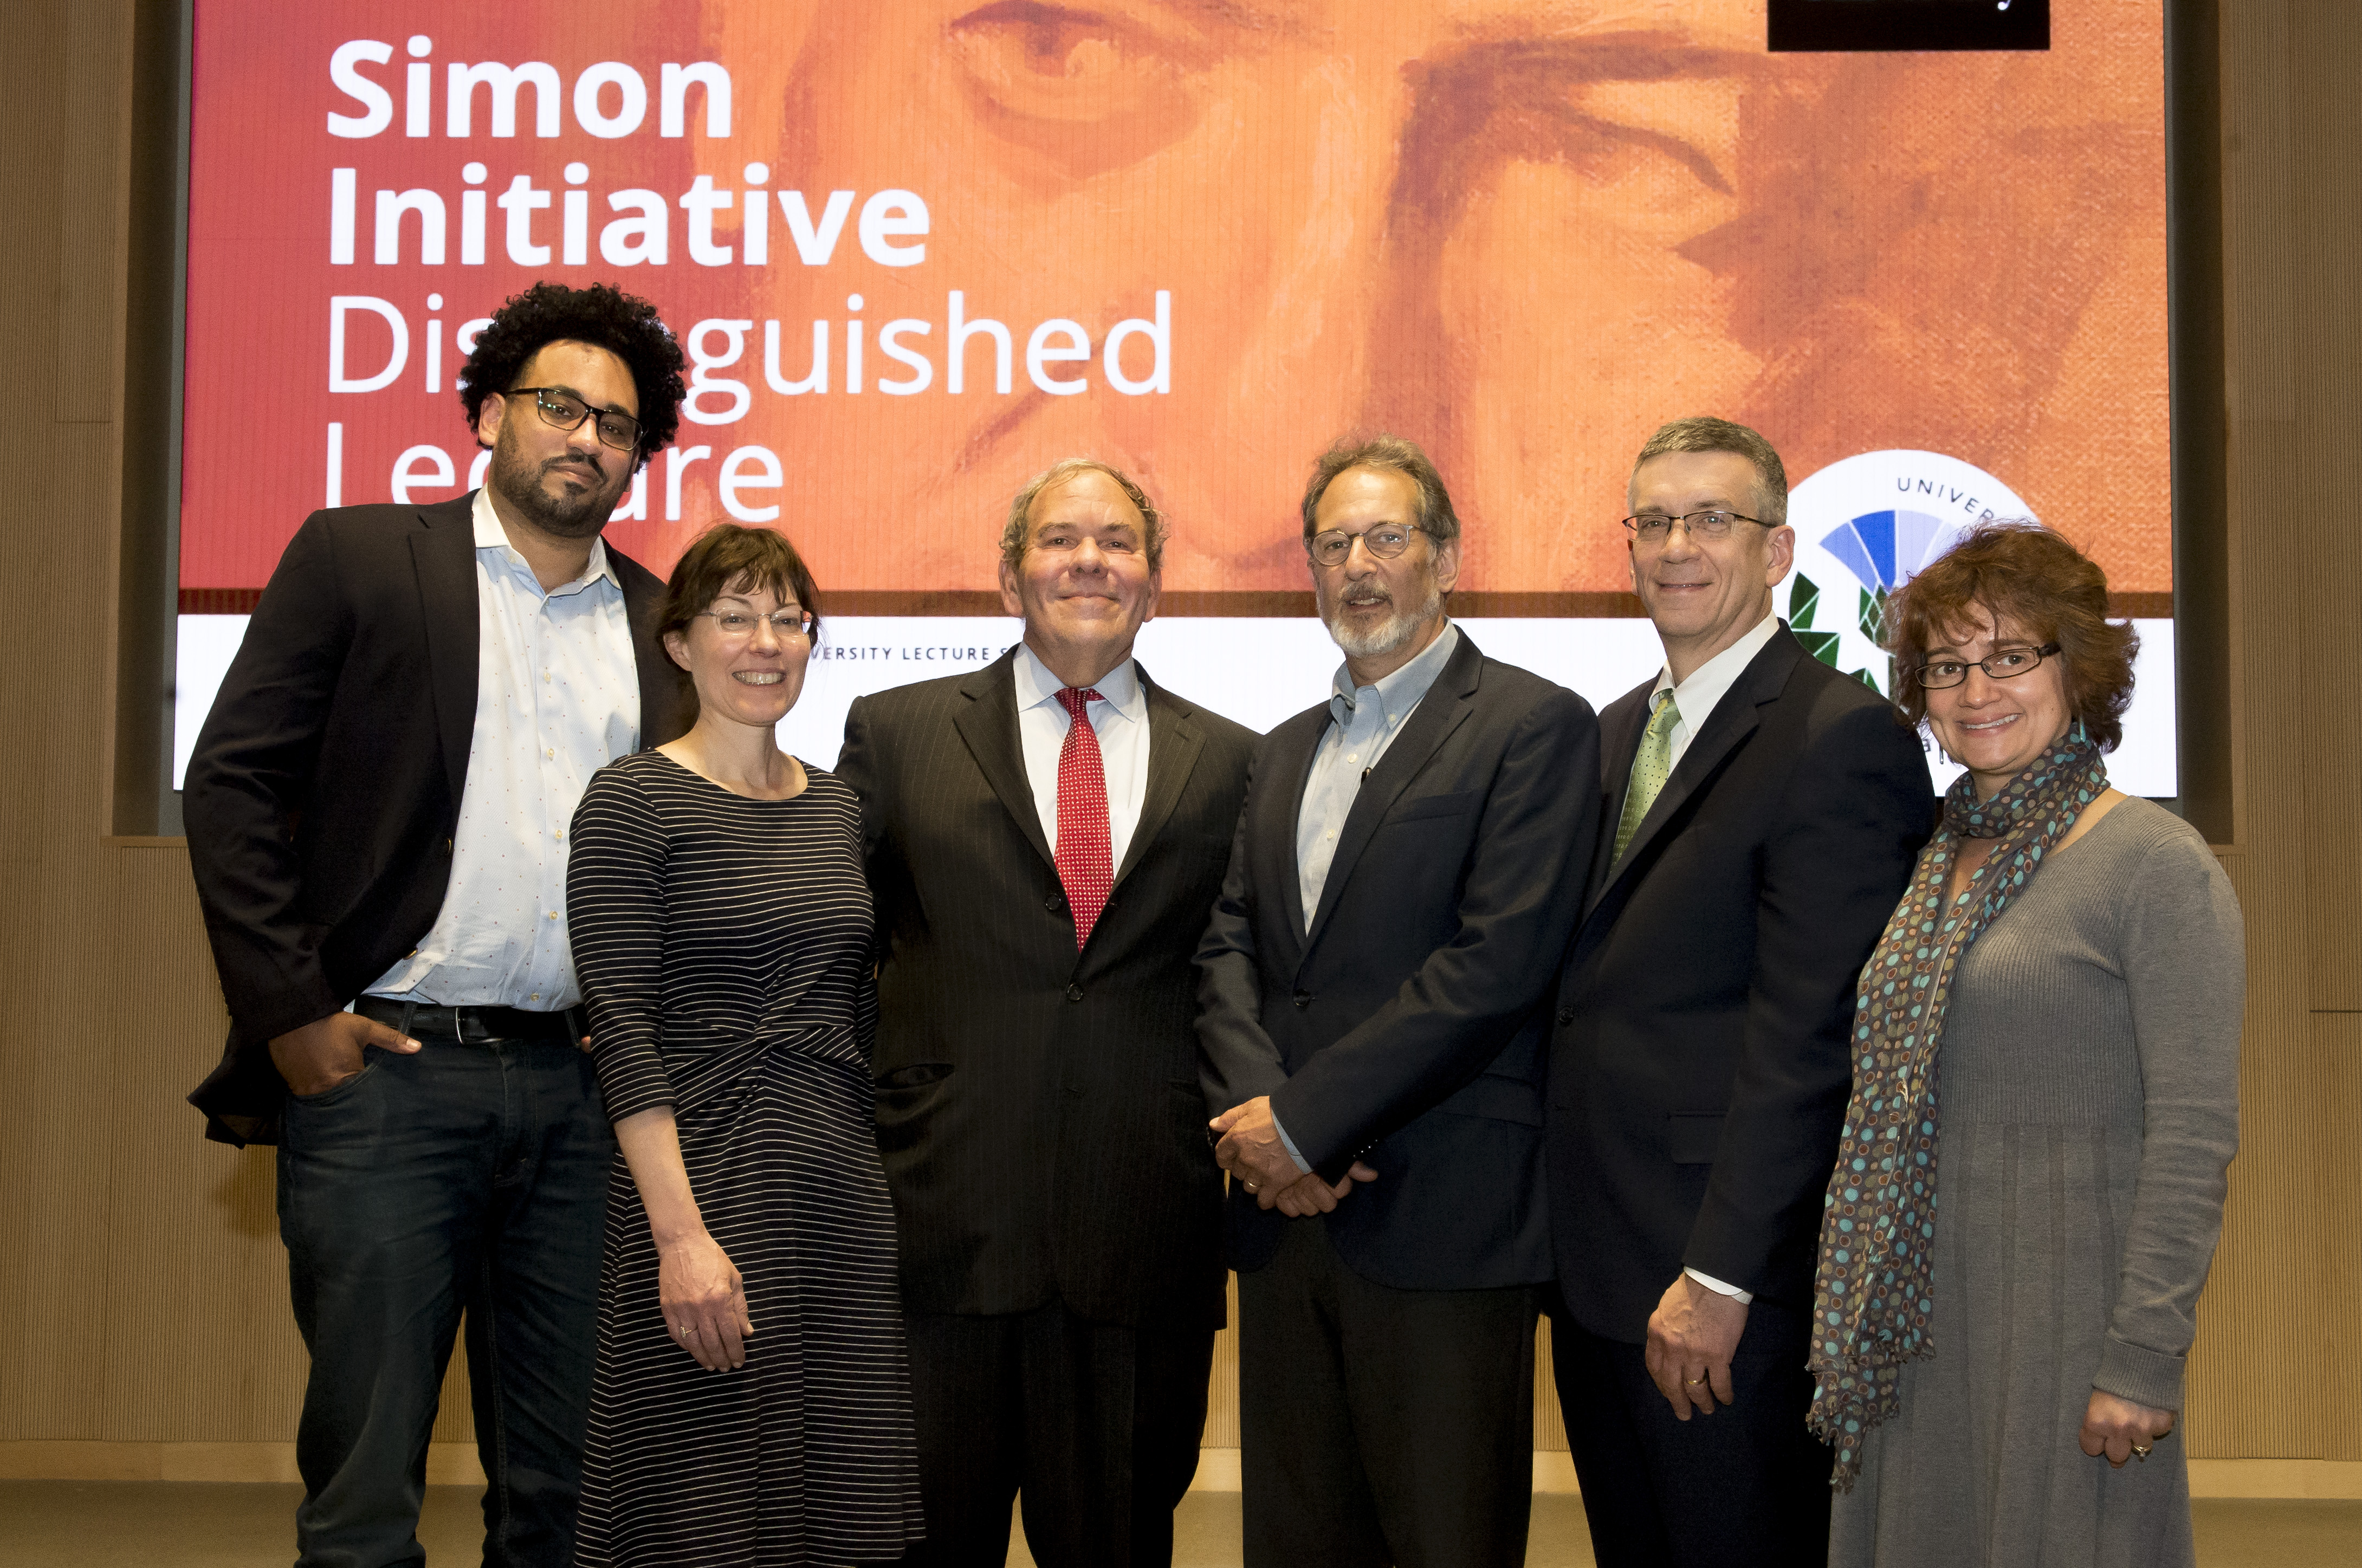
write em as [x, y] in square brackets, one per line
[919, 251]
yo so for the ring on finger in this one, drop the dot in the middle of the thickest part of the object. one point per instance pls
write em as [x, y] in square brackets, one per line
[688, 1331]
[2140, 1450]
[1692, 1382]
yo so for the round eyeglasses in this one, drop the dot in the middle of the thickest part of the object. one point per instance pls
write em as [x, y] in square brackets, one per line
[2002, 664]
[564, 411]
[1385, 541]
[1655, 527]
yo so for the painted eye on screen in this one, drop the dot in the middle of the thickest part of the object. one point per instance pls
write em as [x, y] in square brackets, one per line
[1084, 90]
[1647, 125]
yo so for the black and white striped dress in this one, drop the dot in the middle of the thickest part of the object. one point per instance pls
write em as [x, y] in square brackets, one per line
[723, 945]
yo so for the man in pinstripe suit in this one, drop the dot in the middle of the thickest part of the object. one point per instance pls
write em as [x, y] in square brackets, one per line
[1041, 885]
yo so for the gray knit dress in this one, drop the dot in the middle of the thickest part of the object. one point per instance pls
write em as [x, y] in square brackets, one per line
[2088, 1105]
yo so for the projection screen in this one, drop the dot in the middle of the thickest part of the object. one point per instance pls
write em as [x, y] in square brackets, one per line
[918, 251]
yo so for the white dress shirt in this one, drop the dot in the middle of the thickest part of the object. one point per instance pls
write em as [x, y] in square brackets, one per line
[558, 698]
[1699, 695]
[1119, 720]
[1696, 698]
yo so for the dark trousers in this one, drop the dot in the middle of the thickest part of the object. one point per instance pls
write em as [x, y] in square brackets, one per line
[1381, 1425]
[1093, 1427]
[1748, 1484]
[470, 1175]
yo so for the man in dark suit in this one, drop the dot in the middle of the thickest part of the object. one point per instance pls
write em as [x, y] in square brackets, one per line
[1045, 838]
[1405, 874]
[377, 807]
[1760, 815]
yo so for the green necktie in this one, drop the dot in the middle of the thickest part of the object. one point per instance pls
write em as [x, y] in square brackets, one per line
[1650, 764]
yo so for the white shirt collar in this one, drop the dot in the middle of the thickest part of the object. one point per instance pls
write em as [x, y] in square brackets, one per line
[1699, 695]
[492, 536]
[1399, 691]
[1119, 687]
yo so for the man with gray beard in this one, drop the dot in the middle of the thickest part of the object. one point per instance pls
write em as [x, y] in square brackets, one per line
[1408, 871]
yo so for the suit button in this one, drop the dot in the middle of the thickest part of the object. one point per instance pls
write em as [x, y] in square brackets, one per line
[1304, 998]
[1055, 903]
[1074, 993]
[1565, 1017]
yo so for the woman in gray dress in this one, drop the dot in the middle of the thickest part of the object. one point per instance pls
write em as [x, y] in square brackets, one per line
[2029, 1187]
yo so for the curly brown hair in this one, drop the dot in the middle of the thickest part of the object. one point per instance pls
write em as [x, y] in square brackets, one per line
[602, 315]
[2019, 574]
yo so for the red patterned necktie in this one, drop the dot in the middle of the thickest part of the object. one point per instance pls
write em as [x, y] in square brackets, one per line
[1086, 863]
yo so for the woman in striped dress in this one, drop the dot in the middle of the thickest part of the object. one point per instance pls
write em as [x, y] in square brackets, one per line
[751, 1403]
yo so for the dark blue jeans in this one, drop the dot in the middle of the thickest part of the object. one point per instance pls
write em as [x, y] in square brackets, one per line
[471, 1175]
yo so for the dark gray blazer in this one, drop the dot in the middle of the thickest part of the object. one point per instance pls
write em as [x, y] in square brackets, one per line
[1406, 1026]
[1698, 1070]
[325, 787]
[1037, 1108]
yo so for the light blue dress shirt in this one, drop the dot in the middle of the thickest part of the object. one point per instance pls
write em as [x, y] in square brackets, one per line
[1363, 722]
[558, 698]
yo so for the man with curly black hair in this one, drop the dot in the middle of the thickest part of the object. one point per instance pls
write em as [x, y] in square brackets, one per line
[377, 809]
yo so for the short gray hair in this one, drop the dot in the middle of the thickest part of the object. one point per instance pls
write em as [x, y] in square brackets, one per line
[1708, 433]
[1015, 533]
[1389, 453]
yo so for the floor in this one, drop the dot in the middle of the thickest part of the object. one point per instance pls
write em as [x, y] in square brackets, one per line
[82, 1524]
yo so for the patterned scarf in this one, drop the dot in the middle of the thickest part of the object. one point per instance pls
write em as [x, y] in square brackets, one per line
[1872, 1296]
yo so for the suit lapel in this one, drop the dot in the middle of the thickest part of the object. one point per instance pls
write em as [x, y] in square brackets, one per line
[443, 553]
[1173, 747]
[1620, 729]
[988, 723]
[1733, 719]
[1443, 709]
[1271, 841]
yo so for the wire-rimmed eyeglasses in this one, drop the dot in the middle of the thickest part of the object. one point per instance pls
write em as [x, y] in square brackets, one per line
[1655, 527]
[1385, 541]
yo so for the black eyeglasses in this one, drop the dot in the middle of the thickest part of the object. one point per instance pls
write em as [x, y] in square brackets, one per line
[1385, 541]
[2002, 664]
[1655, 527]
[567, 411]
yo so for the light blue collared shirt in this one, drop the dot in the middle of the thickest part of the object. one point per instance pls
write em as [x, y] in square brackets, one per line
[558, 698]
[1363, 722]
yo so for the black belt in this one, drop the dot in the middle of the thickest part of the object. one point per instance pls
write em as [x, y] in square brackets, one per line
[475, 1025]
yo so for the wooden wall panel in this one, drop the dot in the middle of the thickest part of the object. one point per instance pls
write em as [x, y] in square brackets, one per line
[145, 1301]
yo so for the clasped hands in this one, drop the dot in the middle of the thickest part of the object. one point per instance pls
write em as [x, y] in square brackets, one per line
[1250, 1150]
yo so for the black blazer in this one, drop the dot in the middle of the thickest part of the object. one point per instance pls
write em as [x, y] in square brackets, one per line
[1406, 1027]
[1037, 1108]
[324, 790]
[1699, 1067]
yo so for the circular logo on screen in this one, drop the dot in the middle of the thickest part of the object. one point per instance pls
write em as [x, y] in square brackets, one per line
[1864, 527]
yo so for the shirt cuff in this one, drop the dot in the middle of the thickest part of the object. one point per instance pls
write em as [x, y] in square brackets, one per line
[1289, 1144]
[1744, 1297]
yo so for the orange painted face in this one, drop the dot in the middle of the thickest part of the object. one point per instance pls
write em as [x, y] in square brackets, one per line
[1523, 233]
